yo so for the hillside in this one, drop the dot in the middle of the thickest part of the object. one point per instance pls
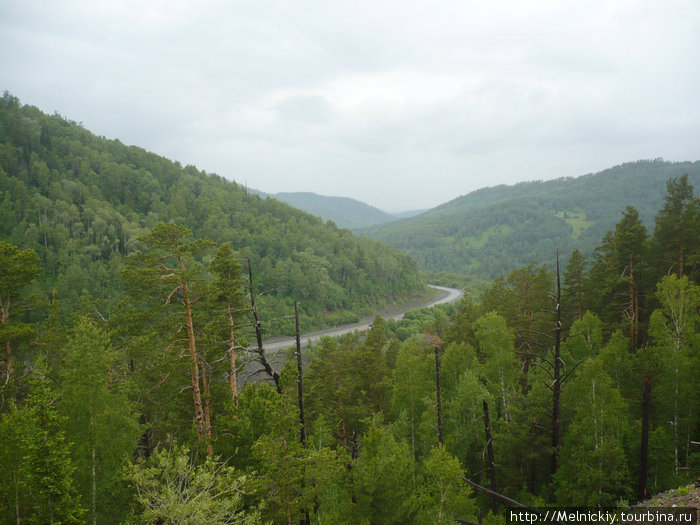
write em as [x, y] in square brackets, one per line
[81, 201]
[343, 211]
[157, 406]
[495, 230]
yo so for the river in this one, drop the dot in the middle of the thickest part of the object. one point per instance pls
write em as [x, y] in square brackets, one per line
[274, 344]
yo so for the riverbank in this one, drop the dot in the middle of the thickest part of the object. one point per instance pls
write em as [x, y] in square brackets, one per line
[441, 295]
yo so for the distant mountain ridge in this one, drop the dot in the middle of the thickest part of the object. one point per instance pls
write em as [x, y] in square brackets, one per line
[495, 230]
[343, 211]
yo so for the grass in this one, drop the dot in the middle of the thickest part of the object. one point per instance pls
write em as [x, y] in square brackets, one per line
[479, 242]
[577, 220]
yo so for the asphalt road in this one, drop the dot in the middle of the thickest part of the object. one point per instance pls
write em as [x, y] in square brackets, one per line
[274, 344]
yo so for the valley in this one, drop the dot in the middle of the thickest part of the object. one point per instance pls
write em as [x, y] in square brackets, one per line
[135, 295]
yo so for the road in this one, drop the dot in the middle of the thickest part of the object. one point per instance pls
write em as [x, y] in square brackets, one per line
[449, 295]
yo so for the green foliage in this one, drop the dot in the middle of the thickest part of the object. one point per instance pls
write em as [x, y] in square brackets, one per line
[674, 331]
[593, 470]
[345, 212]
[463, 419]
[99, 419]
[585, 338]
[443, 496]
[383, 479]
[81, 202]
[474, 242]
[18, 268]
[496, 354]
[172, 488]
[677, 231]
[37, 476]
[574, 287]
[86, 210]
[496, 230]
[413, 393]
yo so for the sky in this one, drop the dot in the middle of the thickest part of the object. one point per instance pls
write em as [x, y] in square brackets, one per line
[400, 104]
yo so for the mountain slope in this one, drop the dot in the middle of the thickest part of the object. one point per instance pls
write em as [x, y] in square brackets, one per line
[498, 229]
[343, 211]
[81, 201]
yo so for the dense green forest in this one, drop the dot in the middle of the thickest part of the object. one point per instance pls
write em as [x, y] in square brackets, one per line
[138, 401]
[496, 230]
[81, 201]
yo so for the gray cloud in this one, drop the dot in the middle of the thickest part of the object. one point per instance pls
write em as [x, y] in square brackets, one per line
[399, 104]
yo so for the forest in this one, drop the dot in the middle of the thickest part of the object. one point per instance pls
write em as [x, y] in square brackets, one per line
[81, 202]
[499, 229]
[135, 387]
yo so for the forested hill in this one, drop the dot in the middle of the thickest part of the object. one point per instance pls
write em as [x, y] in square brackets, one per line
[495, 230]
[81, 201]
[343, 211]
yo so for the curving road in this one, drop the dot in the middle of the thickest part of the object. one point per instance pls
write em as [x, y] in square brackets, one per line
[274, 344]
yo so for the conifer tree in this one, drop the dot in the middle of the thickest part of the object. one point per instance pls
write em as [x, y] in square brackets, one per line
[228, 291]
[172, 488]
[18, 268]
[630, 246]
[574, 287]
[677, 230]
[169, 276]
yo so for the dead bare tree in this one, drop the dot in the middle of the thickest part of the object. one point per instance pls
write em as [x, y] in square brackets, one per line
[489, 450]
[644, 453]
[438, 395]
[258, 335]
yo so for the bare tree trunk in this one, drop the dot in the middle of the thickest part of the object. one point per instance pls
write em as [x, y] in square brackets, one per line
[233, 375]
[258, 334]
[300, 394]
[556, 386]
[4, 318]
[192, 346]
[439, 399]
[94, 487]
[632, 307]
[300, 381]
[492, 462]
[644, 454]
[9, 367]
[16, 484]
[207, 409]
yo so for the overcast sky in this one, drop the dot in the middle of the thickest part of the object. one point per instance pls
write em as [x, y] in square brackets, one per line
[401, 104]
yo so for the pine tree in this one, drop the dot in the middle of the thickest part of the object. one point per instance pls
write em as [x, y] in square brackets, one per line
[630, 247]
[171, 488]
[382, 478]
[677, 230]
[618, 276]
[228, 292]
[574, 287]
[169, 276]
